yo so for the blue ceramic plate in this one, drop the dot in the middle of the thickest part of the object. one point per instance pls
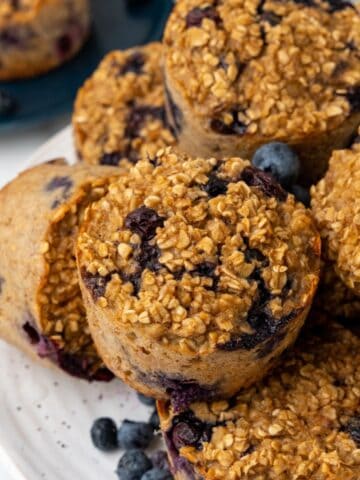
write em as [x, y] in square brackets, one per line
[116, 24]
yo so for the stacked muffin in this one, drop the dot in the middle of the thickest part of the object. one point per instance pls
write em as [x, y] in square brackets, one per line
[39, 35]
[197, 264]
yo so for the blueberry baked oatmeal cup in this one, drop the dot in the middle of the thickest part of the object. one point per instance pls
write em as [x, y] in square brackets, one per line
[39, 35]
[335, 203]
[240, 74]
[119, 113]
[302, 422]
[41, 310]
[196, 275]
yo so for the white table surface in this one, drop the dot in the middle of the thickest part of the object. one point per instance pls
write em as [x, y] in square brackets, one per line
[15, 148]
[18, 145]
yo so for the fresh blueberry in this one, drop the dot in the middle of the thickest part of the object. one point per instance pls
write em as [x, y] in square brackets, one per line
[7, 104]
[104, 434]
[148, 401]
[280, 160]
[301, 194]
[135, 434]
[160, 460]
[157, 474]
[155, 420]
[132, 465]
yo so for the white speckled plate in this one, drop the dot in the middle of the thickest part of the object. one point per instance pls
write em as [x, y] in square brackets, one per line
[45, 416]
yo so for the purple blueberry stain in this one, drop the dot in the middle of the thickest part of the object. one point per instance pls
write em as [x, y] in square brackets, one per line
[133, 278]
[10, 37]
[207, 269]
[183, 391]
[338, 5]
[32, 333]
[144, 221]
[355, 140]
[179, 464]
[306, 3]
[95, 283]
[264, 181]
[175, 118]
[148, 257]
[271, 18]
[137, 117]
[134, 63]
[215, 186]
[350, 45]
[353, 97]
[353, 429]
[236, 127]
[188, 430]
[111, 159]
[74, 365]
[81, 367]
[64, 185]
[64, 45]
[254, 254]
[114, 159]
[196, 16]
[257, 316]
[267, 329]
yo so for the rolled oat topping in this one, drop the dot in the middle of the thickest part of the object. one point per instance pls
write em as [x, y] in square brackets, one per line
[119, 113]
[336, 207]
[199, 252]
[278, 69]
[302, 422]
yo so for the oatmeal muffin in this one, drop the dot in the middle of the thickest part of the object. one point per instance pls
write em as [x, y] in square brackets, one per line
[335, 202]
[39, 35]
[196, 275]
[119, 113]
[240, 74]
[41, 309]
[302, 422]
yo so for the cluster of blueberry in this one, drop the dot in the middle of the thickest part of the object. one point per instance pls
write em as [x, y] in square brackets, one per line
[283, 163]
[134, 438]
